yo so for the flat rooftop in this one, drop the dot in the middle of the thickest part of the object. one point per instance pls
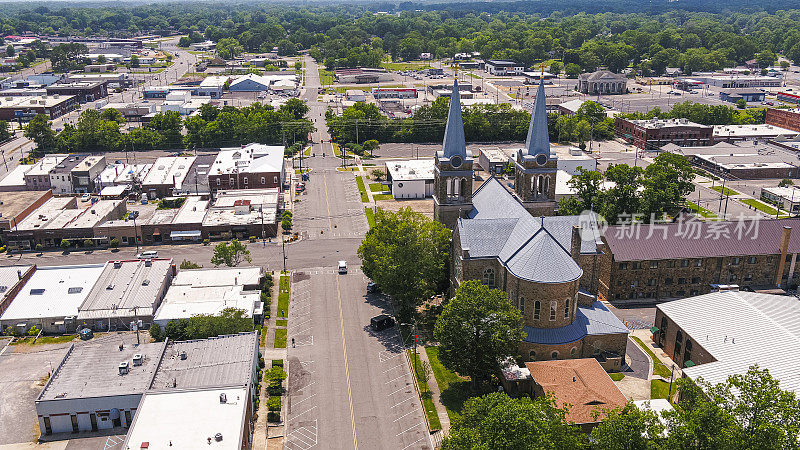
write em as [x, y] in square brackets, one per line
[227, 199]
[162, 421]
[228, 216]
[93, 371]
[131, 171]
[10, 276]
[16, 177]
[46, 214]
[751, 131]
[791, 193]
[184, 301]
[192, 211]
[653, 124]
[91, 216]
[68, 164]
[413, 169]
[14, 203]
[251, 158]
[46, 164]
[169, 170]
[35, 101]
[236, 276]
[53, 292]
[126, 289]
[494, 154]
[213, 362]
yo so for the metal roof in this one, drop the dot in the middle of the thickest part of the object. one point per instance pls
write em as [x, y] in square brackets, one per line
[597, 320]
[696, 239]
[538, 140]
[454, 143]
[747, 328]
[126, 288]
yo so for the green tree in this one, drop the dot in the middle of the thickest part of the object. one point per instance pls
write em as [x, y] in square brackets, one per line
[667, 182]
[101, 59]
[572, 70]
[134, 61]
[229, 48]
[40, 131]
[556, 67]
[169, 125]
[477, 331]
[370, 146]
[5, 131]
[406, 254]
[186, 264]
[294, 108]
[741, 104]
[623, 197]
[628, 428]
[112, 114]
[229, 321]
[10, 50]
[498, 422]
[286, 224]
[378, 174]
[766, 58]
[156, 333]
[588, 193]
[230, 253]
[184, 42]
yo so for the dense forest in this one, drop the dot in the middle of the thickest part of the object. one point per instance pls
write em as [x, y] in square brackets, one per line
[657, 35]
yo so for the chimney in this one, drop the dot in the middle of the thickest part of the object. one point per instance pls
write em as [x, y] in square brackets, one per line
[575, 247]
[787, 233]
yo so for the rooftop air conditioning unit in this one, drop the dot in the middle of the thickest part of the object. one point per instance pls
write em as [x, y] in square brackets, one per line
[137, 359]
[182, 355]
[124, 368]
[223, 398]
[117, 264]
[148, 262]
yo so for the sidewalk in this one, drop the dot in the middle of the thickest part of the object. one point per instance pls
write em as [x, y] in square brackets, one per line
[647, 338]
[436, 394]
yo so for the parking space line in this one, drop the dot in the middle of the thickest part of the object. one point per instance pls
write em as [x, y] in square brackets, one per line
[404, 431]
[409, 445]
[298, 415]
[404, 415]
[398, 404]
[396, 378]
[395, 392]
[301, 401]
[395, 367]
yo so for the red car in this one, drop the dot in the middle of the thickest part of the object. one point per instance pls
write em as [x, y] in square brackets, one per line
[300, 187]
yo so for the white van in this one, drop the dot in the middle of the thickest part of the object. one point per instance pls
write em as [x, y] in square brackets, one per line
[147, 255]
[342, 267]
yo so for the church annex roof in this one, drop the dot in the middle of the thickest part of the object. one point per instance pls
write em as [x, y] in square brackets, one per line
[597, 320]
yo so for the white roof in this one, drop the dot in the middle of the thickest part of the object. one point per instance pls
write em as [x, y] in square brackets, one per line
[192, 211]
[751, 130]
[126, 288]
[53, 292]
[235, 276]
[183, 302]
[413, 169]
[169, 168]
[127, 172]
[113, 191]
[16, 177]
[252, 158]
[748, 328]
[9, 277]
[791, 193]
[564, 189]
[46, 164]
[162, 420]
[213, 82]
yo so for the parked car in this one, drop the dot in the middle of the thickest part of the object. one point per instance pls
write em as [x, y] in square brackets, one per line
[149, 254]
[372, 288]
[86, 197]
[300, 187]
[382, 322]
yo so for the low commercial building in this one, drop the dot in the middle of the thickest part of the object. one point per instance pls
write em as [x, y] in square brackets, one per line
[733, 133]
[784, 118]
[748, 328]
[746, 94]
[12, 279]
[492, 160]
[26, 107]
[379, 93]
[410, 179]
[652, 134]
[50, 299]
[243, 214]
[37, 177]
[787, 197]
[212, 86]
[210, 291]
[85, 175]
[602, 82]
[16, 206]
[746, 160]
[658, 262]
[61, 174]
[503, 68]
[14, 180]
[84, 91]
[356, 95]
[166, 174]
[113, 79]
[127, 291]
[253, 166]
[535, 77]
[132, 111]
[738, 81]
[362, 75]
[100, 386]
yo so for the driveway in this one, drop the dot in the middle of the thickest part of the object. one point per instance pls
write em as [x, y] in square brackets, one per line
[637, 360]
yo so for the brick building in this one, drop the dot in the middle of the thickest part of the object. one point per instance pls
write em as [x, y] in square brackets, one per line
[784, 118]
[655, 133]
[658, 262]
[546, 265]
[748, 328]
[254, 166]
[84, 91]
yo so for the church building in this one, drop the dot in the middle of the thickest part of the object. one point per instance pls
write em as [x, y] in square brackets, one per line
[511, 240]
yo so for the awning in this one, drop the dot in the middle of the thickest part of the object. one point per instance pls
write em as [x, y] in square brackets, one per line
[689, 364]
[185, 234]
[654, 330]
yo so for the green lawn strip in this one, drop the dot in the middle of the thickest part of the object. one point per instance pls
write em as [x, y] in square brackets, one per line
[382, 196]
[337, 151]
[347, 169]
[724, 191]
[45, 340]
[761, 206]
[370, 216]
[377, 187]
[362, 189]
[326, 77]
[262, 335]
[659, 389]
[425, 394]
[454, 389]
[283, 296]
[281, 323]
[616, 376]
[405, 66]
[280, 338]
[658, 367]
[700, 210]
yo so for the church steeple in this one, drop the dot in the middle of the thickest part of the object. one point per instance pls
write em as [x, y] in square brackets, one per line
[538, 140]
[454, 142]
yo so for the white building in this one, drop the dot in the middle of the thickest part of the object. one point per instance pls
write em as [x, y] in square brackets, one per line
[51, 298]
[502, 68]
[355, 95]
[212, 86]
[787, 197]
[209, 291]
[732, 133]
[411, 179]
[253, 166]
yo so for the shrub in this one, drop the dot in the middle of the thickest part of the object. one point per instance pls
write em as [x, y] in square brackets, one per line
[186, 264]
[155, 332]
[39, 247]
[277, 363]
[275, 389]
[88, 243]
[206, 241]
[65, 244]
[114, 243]
[274, 404]
[276, 374]
[2, 249]
[10, 331]
[273, 416]
[252, 238]
[261, 362]
[33, 331]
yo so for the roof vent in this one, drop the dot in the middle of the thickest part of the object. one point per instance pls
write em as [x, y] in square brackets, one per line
[145, 282]
[148, 262]
[218, 437]
[117, 264]
[223, 398]
[137, 359]
[123, 368]
[182, 354]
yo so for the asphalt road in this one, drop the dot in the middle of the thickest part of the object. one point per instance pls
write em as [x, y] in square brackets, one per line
[348, 387]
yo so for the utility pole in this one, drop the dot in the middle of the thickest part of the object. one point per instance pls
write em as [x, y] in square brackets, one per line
[671, 375]
[135, 234]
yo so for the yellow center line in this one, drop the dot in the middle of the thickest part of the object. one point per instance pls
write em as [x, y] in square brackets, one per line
[346, 366]
[327, 203]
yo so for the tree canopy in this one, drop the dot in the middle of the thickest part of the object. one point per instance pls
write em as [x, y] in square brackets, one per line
[230, 253]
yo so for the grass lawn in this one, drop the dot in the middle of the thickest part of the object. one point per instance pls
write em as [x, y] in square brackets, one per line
[700, 210]
[370, 216]
[427, 401]
[280, 338]
[307, 152]
[46, 340]
[659, 389]
[724, 191]
[326, 77]
[362, 189]
[405, 66]
[262, 335]
[658, 367]
[377, 187]
[348, 169]
[283, 297]
[382, 196]
[281, 323]
[455, 390]
[761, 206]
[616, 376]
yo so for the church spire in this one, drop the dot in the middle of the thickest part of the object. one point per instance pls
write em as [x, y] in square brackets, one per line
[454, 143]
[538, 141]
